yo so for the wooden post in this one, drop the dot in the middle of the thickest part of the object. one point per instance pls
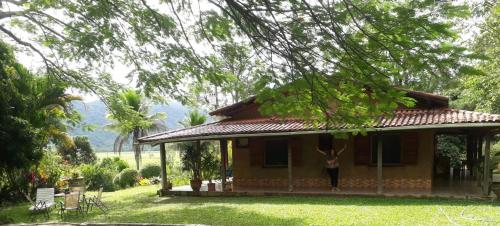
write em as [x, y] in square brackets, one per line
[380, 181]
[197, 175]
[486, 174]
[480, 157]
[223, 160]
[163, 163]
[290, 179]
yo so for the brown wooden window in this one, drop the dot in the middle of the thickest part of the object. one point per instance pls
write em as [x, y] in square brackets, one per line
[391, 149]
[276, 153]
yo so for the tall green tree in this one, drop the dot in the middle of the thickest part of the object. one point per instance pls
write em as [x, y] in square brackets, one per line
[346, 53]
[80, 153]
[131, 119]
[482, 92]
[34, 110]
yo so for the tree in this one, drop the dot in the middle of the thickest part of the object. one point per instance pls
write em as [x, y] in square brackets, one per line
[80, 153]
[482, 92]
[131, 120]
[34, 110]
[345, 53]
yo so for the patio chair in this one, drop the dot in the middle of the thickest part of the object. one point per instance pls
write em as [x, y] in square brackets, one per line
[71, 202]
[44, 202]
[96, 201]
[81, 190]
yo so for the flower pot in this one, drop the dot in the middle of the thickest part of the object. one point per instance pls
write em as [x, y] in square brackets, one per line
[211, 187]
[498, 167]
[76, 182]
[196, 185]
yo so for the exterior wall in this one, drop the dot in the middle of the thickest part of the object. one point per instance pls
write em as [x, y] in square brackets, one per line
[311, 174]
[249, 112]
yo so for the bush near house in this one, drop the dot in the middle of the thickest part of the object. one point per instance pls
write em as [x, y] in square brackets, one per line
[114, 163]
[96, 176]
[128, 177]
[150, 171]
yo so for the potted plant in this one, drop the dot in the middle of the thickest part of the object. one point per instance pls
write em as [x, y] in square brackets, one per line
[75, 180]
[210, 168]
[191, 162]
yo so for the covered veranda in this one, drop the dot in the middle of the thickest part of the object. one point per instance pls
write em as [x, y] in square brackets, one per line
[479, 135]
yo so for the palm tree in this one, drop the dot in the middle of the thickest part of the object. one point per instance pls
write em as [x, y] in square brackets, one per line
[131, 120]
[193, 118]
[49, 108]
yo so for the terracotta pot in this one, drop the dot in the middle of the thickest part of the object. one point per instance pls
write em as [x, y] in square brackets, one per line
[211, 187]
[196, 185]
[76, 182]
[498, 167]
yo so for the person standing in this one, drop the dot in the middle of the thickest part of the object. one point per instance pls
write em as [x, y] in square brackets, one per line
[332, 165]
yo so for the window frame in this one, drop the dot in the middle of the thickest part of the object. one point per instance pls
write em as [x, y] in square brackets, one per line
[265, 163]
[373, 151]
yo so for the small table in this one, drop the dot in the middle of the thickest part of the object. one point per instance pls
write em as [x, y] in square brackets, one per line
[59, 195]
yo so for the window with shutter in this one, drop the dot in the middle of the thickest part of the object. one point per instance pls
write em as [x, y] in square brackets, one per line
[362, 149]
[391, 149]
[276, 153]
[409, 146]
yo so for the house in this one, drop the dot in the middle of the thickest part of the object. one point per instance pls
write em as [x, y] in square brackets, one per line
[397, 155]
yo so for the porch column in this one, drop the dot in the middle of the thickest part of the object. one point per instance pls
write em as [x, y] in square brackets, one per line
[470, 155]
[486, 174]
[163, 163]
[198, 160]
[380, 180]
[290, 179]
[223, 160]
[479, 151]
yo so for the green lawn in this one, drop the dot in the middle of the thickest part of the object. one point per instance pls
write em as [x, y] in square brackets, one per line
[148, 157]
[140, 204]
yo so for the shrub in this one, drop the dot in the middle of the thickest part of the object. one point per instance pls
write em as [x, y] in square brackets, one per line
[50, 169]
[96, 176]
[114, 164]
[155, 180]
[80, 153]
[144, 181]
[128, 177]
[116, 181]
[150, 171]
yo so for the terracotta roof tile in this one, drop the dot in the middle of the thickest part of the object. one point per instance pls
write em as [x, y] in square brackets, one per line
[400, 118]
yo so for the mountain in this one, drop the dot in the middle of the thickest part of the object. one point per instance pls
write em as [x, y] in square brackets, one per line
[94, 113]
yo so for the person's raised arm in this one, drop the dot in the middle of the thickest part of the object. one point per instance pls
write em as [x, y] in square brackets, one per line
[320, 151]
[342, 150]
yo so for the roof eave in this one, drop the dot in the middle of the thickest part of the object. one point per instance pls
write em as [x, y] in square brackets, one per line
[306, 132]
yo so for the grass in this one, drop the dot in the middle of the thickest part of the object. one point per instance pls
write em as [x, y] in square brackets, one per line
[148, 157]
[141, 205]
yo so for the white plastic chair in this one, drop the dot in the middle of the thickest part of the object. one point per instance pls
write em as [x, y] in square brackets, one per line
[44, 201]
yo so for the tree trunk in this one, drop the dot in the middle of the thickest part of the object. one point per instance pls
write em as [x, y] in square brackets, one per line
[137, 149]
